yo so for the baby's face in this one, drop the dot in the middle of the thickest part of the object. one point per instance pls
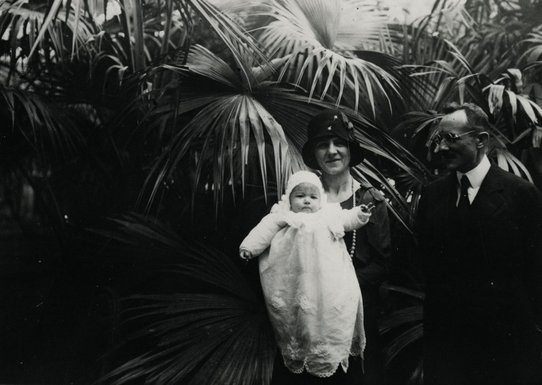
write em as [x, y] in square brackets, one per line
[305, 198]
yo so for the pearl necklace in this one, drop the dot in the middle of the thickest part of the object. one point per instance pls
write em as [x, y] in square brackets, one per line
[353, 247]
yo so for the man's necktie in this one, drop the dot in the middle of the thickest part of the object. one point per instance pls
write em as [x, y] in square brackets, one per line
[463, 193]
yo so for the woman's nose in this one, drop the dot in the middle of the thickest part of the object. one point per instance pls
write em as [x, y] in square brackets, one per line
[331, 148]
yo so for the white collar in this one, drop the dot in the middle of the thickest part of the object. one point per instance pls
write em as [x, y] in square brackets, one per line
[477, 174]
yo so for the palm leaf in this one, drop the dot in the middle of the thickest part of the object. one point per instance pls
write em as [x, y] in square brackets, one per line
[411, 88]
[317, 37]
[405, 323]
[507, 161]
[216, 338]
[46, 22]
[405, 339]
[212, 337]
[533, 52]
[410, 314]
[39, 122]
[227, 118]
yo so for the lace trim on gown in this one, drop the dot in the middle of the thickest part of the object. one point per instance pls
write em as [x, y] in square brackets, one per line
[298, 366]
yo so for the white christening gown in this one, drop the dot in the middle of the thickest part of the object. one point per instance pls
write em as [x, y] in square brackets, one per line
[310, 286]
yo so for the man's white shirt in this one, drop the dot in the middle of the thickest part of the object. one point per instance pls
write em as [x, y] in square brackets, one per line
[476, 177]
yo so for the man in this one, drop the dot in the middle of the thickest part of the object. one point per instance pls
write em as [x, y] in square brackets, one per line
[480, 237]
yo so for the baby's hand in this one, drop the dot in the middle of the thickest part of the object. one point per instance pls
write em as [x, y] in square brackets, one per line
[365, 212]
[245, 254]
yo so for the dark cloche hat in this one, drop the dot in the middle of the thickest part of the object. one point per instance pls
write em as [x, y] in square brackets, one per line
[327, 124]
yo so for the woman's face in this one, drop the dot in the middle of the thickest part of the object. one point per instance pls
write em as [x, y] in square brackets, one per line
[332, 155]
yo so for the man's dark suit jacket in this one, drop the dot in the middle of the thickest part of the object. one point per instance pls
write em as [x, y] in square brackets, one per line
[483, 275]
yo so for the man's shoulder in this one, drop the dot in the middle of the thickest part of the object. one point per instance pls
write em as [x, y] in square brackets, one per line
[513, 188]
[509, 180]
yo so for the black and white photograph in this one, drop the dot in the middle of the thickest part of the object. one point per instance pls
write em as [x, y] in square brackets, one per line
[271, 192]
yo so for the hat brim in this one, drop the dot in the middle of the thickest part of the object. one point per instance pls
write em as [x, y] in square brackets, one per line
[307, 152]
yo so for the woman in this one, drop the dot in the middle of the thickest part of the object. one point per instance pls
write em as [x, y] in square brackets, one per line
[331, 149]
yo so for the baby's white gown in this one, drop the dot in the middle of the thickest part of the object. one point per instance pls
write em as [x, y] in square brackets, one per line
[310, 287]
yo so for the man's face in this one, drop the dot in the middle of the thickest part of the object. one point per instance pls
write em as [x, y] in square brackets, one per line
[305, 198]
[457, 144]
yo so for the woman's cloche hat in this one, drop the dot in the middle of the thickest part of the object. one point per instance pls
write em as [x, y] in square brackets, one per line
[328, 124]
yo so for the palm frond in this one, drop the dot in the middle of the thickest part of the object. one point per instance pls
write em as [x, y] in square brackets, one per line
[240, 43]
[20, 15]
[205, 337]
[137, 35]
[404, 325]
[317, 38]
[499, 96]
[411, 88]
[405, 339]
[533, 52]
[507, 161]
[344, 25]
[39, 122]
[410, 314]
[229, 119]
[215, 338]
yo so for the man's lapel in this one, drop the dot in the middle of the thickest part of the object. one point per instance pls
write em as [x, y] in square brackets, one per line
[488, 199]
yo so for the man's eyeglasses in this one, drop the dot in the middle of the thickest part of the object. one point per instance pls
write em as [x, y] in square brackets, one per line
[449, 138]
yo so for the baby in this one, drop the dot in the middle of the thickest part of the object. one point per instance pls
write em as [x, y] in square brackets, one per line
[308, 280]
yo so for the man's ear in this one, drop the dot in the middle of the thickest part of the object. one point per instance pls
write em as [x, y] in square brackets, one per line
[482, 139]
